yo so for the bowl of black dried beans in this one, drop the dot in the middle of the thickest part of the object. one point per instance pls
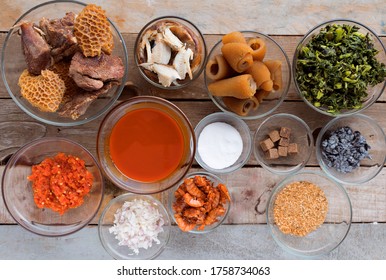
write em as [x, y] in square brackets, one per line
[351, 149]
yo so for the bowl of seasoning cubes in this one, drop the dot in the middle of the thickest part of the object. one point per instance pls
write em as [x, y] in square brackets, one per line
[339, 67]
[351, 149]
[134, 227]
[309, 214]
[224, 143]
[52, 186]
[248, 74]
[283, 144]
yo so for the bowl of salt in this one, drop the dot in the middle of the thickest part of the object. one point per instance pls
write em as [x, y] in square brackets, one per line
[224, 143]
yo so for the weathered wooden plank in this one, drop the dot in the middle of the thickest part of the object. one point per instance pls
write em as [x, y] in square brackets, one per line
[251, 188]
[12, 115]
[195, 90]
[243, 242]
[272, 17]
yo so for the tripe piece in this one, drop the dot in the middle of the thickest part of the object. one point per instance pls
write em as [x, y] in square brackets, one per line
[259, 48]
[218, 68]
[241, 87]
[241, 106]
[261, 75]
[234, 37]
[274, 67]
[238, 55]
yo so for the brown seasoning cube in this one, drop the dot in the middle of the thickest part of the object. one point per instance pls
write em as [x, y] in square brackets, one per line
[274, 135]
[284, 142]
[272, 154]
[282, 151]
[293, 148]
[285, 132]
[266, 144]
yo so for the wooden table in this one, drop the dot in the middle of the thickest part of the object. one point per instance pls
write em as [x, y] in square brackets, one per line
[245, 234]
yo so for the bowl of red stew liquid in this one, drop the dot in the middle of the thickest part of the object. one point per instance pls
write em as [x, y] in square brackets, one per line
[146, 145]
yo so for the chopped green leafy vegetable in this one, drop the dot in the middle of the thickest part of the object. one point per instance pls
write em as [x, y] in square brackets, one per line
[336, 67]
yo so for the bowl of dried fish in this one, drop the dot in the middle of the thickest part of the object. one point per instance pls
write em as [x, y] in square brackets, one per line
[247, 74]
[56, 72]
[339, 67]
[170, 52]
[200, 202]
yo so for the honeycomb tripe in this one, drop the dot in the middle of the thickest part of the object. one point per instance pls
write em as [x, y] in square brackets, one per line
[44, 91]
[92, 31]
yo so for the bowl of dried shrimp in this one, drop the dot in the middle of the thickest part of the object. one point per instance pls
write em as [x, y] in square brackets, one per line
[170, 52]
[200, 202]
[59, 74]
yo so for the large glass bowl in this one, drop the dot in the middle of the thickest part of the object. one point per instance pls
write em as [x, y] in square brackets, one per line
[276, 97]
[373, 92]
[198, 60]
[18, 194]
[13, 64]
[375, 138]
[109, 241]
[104, 152]
[335, 227]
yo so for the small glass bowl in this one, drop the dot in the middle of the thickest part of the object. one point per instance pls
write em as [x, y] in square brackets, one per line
[198, 60]
[110, 243]
[18, 194]
[13, 64]
[216, 180]
[335, 227]
[240, 126]
[300, 134]
[273, 101]
[373, 92]
[103, 144]
[375, 138]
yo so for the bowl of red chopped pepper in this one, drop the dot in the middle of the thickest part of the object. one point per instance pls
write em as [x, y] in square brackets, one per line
[52, 186]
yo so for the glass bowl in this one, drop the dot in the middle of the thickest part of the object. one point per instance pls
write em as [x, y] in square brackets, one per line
[373, 92]
[186, 147]
[13, 64]
[109, 240]
[18, 194]
[187, 33]
[375, 138]
[222, 145]
[330, 234]
[269, 103]
[300, 134]
[215, 182]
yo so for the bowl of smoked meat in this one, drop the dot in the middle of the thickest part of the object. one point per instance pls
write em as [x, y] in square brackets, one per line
[59, 74]
[200, 202]
[52, 186]
[146, 145]
[248, 74]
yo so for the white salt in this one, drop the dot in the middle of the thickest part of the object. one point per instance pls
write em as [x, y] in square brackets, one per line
[219, 145]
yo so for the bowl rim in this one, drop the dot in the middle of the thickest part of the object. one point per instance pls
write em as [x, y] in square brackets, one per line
[309, 134]
[285, 91]
[209, 175]
[145, 99]
[280, 185]
[318, 150]
[21, 150]
[58, 123]
[129, 196]
[196, 74]
[233, 167]
[301, 42]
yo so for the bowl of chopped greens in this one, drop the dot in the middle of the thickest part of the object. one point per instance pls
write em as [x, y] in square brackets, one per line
[351, 149]
[339, 67]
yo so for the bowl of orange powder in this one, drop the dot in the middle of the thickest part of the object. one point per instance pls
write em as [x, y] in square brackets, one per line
[52, 186]
[146, 145]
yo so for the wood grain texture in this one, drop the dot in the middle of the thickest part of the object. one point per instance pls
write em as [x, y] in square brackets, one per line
[242, 242]
[217, 17]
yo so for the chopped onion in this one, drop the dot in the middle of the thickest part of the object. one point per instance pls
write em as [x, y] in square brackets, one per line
[137, 225]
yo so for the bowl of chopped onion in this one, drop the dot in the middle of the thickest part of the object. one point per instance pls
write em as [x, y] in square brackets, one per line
[134, 227]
